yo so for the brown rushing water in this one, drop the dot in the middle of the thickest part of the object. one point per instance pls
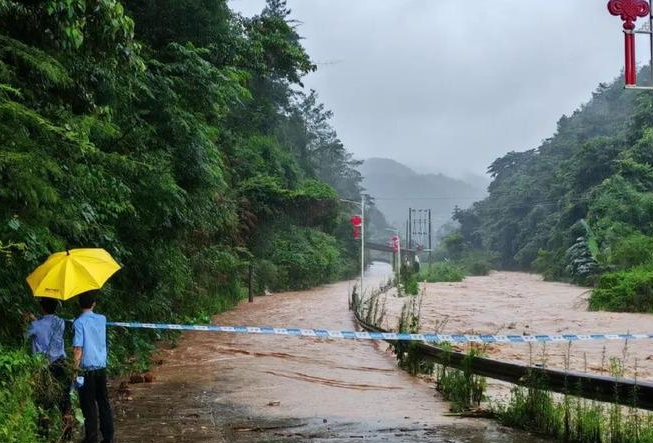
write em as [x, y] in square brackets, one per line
[520, 303]
[248, 388]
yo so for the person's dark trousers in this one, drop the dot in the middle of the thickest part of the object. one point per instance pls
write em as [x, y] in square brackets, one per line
[94, 399]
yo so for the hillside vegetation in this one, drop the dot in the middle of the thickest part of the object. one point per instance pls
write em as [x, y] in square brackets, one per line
[175, 134]
[577, 208]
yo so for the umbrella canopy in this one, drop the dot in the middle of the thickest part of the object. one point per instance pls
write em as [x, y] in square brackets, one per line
[67, 274]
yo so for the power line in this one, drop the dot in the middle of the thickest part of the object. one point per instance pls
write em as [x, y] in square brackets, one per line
[426, 198]
[494, 194]
[549, 202]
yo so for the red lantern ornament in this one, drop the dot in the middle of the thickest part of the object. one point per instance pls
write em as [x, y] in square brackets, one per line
[395, 243]
[356, 222]
[629, 10]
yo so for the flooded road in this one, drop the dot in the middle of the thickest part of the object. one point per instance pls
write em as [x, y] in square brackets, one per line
[252, 388]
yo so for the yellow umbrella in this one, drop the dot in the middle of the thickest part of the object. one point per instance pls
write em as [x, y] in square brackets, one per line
[67, 274]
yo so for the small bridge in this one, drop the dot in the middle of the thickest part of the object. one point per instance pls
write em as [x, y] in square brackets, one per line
[386, 248]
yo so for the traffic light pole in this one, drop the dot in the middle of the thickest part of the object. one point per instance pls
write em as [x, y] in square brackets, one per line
[362, 243]
[362, 206]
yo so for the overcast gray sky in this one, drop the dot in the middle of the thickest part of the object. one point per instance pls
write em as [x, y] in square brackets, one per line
[449, 85]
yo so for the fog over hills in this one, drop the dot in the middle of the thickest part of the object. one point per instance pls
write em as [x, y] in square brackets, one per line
[396, 188]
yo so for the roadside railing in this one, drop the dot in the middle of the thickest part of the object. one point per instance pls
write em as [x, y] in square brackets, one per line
[616, 390]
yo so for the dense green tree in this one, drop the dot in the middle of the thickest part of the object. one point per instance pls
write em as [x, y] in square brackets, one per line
[176, 135]
[164, 134]
[580, 205]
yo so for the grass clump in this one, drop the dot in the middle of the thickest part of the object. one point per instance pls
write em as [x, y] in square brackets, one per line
[461, 387]
[371, 309]
[442, 272]
[572, 419]
[532, 408]
[407, 353]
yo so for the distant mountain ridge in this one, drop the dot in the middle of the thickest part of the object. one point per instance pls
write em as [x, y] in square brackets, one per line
[396, 188]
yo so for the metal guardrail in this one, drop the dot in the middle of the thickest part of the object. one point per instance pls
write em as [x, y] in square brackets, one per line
[619, 390]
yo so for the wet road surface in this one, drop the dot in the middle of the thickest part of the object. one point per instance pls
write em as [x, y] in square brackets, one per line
[251, 388]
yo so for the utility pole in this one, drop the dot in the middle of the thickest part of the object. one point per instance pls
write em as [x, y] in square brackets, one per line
[251, 283]
[430, 246]
[407, 247]
[410, 228]
[362, 206]
[362, 242]
[399, 253]
[396, 266]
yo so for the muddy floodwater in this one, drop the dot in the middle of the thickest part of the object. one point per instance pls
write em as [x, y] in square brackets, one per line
[249, 388]
[511, 303]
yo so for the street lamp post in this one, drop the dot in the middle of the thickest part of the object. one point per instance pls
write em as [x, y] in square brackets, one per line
[362, 206]
[362, 243]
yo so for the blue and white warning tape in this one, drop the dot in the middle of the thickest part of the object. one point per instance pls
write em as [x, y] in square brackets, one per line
[356, 335]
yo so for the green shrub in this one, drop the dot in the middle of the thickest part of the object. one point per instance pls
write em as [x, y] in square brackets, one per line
[477, 263]
[442, 272]
[19, 412]
[478, 268]
[453, 246]
[410, 285]
[266, 276]
[305, 257]
[625, 291]
[551, 264]
[633, 250]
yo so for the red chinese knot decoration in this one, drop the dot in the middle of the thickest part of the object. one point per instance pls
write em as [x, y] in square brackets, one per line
[356, 222]
[629, 11]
